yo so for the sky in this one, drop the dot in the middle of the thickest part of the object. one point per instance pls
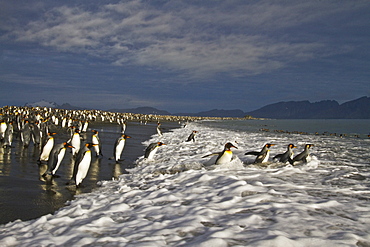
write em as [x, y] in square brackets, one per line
[183, 56]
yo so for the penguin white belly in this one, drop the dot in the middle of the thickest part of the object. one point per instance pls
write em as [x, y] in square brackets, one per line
[59, 160]
[76, 143]
[266, 157]
[83, 167]
[47, 149]
[95, 141]
[159, 132]
[84, 129]
[225, 158]
[119, 149]
[3, 127]
[152, 153]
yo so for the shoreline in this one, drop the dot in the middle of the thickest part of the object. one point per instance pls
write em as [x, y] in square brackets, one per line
[26, 196]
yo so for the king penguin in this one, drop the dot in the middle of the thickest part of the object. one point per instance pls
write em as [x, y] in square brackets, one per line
[159, 131]
[96, 140]
[118, 146]
[26, 134]
[3, 127]
[8, 137]
[56, 156]
[46, 149]
[152, 149]
[284, 157]
[123, 127]
[192, 136]
[302, 157]
[225, 156]
[76, 142]
[263, 155]
[82, 164]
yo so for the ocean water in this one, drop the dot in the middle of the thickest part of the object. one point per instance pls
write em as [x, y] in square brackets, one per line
[181, 199]
[26, 195]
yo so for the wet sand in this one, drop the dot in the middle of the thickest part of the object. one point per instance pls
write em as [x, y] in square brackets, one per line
[26, 195]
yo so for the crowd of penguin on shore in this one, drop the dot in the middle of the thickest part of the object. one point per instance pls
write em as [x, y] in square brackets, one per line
[33, 124]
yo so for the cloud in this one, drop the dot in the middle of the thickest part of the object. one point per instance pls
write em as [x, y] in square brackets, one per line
[201, 39]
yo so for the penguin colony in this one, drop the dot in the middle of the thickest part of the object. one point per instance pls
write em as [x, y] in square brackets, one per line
[40, 125]
[34, 124]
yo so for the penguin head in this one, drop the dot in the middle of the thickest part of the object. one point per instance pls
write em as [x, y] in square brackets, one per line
[291, 145]
[126, 136]
[90, 145]
[307, 146]
[51, 133]
[229, 145]
[160, 144]
[67, 145]
[268, 145]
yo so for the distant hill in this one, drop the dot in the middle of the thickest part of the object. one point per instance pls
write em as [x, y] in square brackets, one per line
[142, 110]
[42, 103]
[215, 113]
[327, 109]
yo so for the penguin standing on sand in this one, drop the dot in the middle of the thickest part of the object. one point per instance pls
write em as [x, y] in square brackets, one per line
[26, 134]
[76, 142]
[302, 157]
[56, 156]
[8, 136]
[152, 149]
[36, 134]
[284, 157]
[192, 136]
[225, 156]
[3, 127]
[263, 155]
[82, 164]
[85, 126]
[118, 146]
[46, 149]
[96, 140]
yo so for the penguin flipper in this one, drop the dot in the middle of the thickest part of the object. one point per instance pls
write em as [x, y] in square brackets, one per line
[252, 153]
[211, 154]
[277, 156]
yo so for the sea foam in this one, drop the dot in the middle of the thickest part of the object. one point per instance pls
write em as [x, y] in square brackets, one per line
[181, 199]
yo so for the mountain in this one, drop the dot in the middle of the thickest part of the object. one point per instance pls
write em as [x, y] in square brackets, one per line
[142, 110]
[327, 109]
[215, 113]
[42, 103]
